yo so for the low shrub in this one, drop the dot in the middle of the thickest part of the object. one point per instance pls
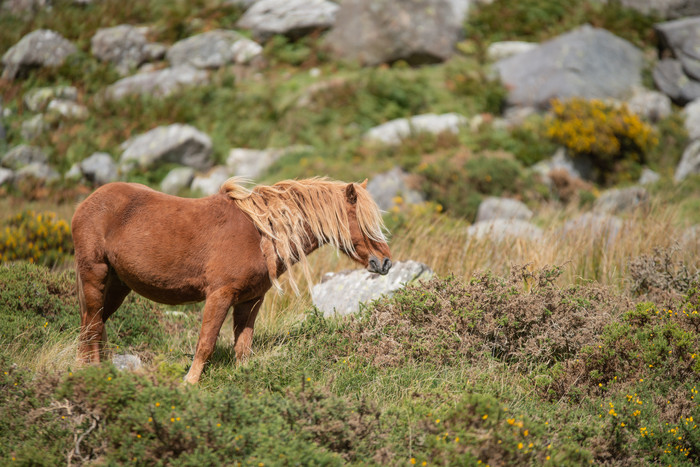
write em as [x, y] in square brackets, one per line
[460, 183]
[613, 138]
[36, 237]
[523, 319]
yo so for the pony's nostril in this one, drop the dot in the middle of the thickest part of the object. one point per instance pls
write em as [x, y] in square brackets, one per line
[386, 265]
[374, 264]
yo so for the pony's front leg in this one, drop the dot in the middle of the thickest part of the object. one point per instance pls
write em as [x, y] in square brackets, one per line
[215, 311]
[244, 315]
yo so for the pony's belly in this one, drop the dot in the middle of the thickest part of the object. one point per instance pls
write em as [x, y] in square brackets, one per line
[175, 296]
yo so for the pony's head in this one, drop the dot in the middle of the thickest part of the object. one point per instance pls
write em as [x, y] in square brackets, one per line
[369, 247]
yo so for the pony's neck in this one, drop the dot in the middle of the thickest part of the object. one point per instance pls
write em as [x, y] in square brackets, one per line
[275, 264]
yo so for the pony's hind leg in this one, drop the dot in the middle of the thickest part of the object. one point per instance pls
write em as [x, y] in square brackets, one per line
[100, 293]
[91, 286]
[244, 315]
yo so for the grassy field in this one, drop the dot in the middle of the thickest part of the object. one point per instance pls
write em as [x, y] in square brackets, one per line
[569, 350]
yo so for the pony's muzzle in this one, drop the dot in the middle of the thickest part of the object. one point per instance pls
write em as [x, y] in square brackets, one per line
[379, 267]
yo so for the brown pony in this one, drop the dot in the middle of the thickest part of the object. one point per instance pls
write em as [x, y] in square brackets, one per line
[227, 249]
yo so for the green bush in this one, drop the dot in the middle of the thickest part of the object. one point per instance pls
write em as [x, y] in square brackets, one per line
[36, 237]
[538, 20]
[460, 186]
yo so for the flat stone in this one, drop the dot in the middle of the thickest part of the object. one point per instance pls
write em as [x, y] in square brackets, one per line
[392, 189]
[40, 48]
[127, 362]
[123, 45]
[38, 99]
[682, 36]
[67, 109]
[37, 171]
[100, 168]
[500, 230]
[648, 177]
[341, 293]
[177, 179]
[23, 155]
[293, 18]
[692, 119]
[619, 200]
[158, 83]
[34, 127]
[690, 162]
[252, 163]
[671, 80]
[176, 143]
[210, 183]
[500, 50]
[213, 49]
[502, 208]
[6, 176]
[394, 131]
[594, 226]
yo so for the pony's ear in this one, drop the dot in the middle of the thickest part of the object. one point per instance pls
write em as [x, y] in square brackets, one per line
[364, 184]
[350, 193]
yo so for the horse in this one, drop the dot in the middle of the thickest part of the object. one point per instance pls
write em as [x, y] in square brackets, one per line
[227, 249]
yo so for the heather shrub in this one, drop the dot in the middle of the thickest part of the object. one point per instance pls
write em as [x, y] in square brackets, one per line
[613, 138]
[36, 237]
[523, 319]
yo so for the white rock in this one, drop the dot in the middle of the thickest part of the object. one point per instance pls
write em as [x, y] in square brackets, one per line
[394, 131]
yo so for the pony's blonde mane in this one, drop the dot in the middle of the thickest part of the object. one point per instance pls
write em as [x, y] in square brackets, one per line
[291, 212]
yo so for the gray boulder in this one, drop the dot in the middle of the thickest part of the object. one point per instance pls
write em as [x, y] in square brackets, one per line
[177, 179]
[127, 362]
[501, 230]
[252, 163]
[159, 83]
[6, 176]
[690, 162]
[67, 109]
[417, 31]
[293, 18]
[37, 171]
[341, 293]
[664, 8]
[502, 208]
[620, 200]
[213, 49]
[23, 155]
[125, 46]
[692, 119]
[683, 38]
[23, 7]
[593, 226]
[40, 48]
[650, 105]
[34, 127]
[387, 187]
[670, 78]
[99, 168]
[394, 131]
[648, 177]
[209, 183]
[576, 167]
[586, 62]
[501, 50]
[38, 99]
[176, 143]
